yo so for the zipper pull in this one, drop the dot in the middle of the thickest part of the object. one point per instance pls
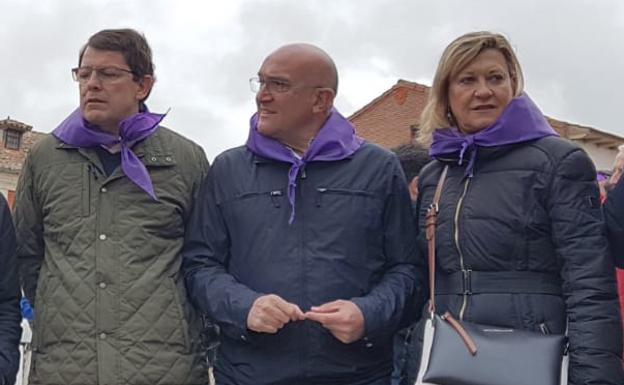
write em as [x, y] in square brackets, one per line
[319, 198]
[275, 195]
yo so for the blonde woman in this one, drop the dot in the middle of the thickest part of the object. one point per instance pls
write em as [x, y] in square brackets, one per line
[519, 217]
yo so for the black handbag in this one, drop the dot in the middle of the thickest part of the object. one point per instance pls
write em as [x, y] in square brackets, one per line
[464, 353]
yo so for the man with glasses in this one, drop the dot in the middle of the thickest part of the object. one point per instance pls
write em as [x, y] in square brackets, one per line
[302, 246]
[101, 210]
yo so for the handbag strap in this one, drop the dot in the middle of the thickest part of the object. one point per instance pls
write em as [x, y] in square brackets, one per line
[430, 222]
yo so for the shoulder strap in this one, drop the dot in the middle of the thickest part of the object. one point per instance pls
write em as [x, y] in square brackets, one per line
[430, 223]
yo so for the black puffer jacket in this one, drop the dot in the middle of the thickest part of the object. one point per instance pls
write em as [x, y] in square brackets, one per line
[531, 207]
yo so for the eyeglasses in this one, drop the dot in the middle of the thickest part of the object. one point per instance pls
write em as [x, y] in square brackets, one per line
[104, 74]
[272, 85]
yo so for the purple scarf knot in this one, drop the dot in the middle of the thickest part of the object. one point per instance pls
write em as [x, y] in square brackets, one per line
[336, 140]
[521, 121]
[467, 144]
[76, 131]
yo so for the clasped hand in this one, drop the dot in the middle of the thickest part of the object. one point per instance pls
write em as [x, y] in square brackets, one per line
[344, 319]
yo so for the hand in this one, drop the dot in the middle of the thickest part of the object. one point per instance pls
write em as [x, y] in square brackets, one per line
[343, 319]
[269, 313]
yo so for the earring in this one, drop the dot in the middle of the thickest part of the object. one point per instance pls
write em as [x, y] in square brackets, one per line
[449, 116]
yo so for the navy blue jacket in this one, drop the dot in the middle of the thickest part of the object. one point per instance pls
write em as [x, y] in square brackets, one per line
[352, 238]
[10, 318]
[614, 217]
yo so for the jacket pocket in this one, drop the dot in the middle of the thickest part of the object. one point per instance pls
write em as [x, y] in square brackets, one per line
[328, 191]
[350, 207]
[274, 195]
[255, 207]
[181, 315]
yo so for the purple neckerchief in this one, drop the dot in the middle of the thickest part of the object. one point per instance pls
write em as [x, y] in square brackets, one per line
[76, 131]
[335, 140]
[520, 121]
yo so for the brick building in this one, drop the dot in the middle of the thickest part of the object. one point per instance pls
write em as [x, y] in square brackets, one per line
[392, 119]
[16, 140]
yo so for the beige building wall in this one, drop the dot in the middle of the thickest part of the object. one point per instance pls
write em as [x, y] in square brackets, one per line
[602, 156]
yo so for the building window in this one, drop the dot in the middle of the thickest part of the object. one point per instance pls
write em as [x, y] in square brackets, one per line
[12, 139]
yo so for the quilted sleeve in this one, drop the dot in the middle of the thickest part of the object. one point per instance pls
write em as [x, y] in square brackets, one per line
[594, 329]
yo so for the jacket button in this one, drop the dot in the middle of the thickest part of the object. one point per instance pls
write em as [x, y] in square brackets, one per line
[103, 189]
[153, 158]
[102, 336]
[102, 285]
[102, 237]
[243, 338]
[168, 159]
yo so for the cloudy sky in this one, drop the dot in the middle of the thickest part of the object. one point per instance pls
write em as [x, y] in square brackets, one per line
[572, 53]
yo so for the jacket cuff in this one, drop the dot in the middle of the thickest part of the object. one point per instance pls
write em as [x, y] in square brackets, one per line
[239, 330]
[373, 324]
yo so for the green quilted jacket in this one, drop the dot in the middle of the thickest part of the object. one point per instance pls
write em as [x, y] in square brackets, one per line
[100, 261]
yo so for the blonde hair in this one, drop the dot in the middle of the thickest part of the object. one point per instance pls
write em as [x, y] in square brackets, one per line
[456, 57]
[619, 157]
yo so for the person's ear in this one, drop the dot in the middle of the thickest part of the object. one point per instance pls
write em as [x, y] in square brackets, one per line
[323, 100]
[145, 86]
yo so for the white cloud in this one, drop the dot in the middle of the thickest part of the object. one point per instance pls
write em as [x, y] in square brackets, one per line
[206, 50]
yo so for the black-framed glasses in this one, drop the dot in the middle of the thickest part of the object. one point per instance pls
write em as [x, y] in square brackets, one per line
[104, 74]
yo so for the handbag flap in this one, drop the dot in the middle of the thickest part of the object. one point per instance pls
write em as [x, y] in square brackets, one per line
[504, 356]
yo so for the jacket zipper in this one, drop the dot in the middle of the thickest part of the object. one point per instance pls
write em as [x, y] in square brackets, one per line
[299, 217]
[461, 256]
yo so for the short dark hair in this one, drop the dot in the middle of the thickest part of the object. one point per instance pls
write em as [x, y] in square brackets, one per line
[413, 158]
[130, 43]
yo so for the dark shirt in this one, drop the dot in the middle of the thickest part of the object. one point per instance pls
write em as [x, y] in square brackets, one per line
[110, 162]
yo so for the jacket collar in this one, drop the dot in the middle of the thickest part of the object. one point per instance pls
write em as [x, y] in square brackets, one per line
[153, 151]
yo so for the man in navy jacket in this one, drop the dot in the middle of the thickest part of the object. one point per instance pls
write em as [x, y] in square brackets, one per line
[301, 246]
[10, 330]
